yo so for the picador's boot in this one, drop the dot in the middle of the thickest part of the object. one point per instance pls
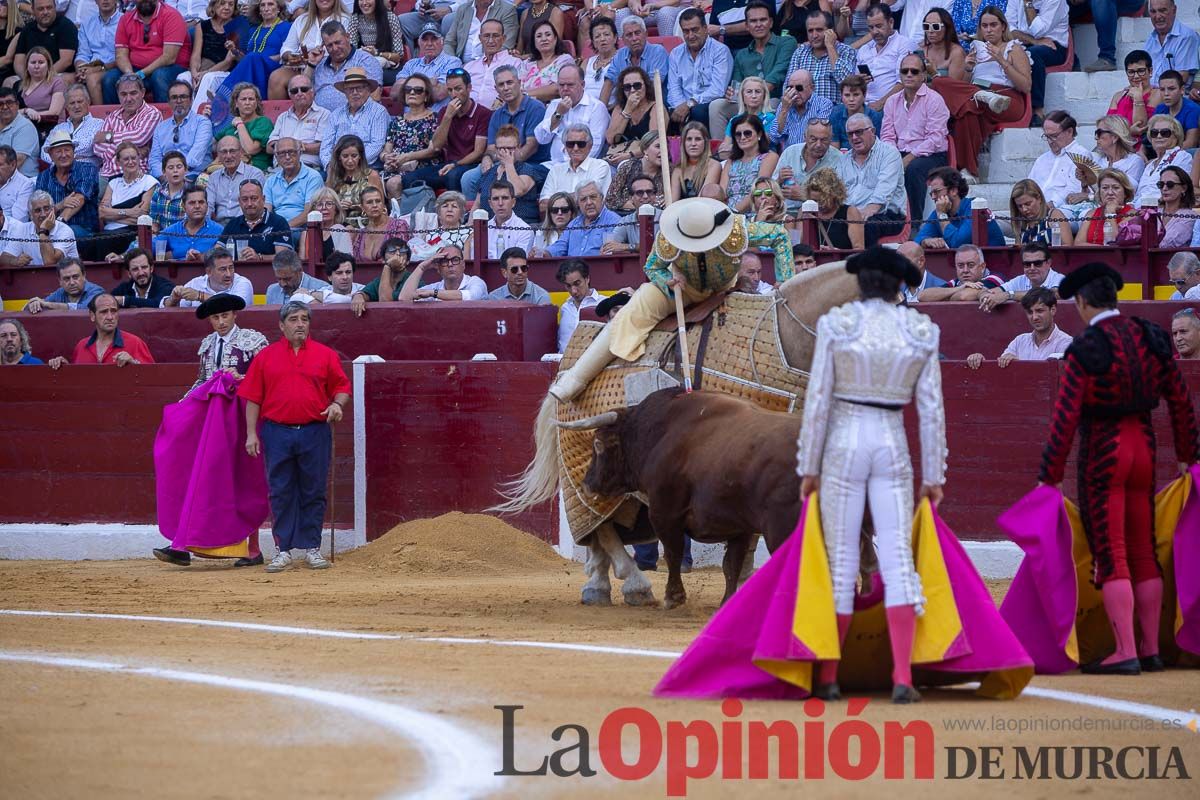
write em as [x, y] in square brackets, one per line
[595, 358]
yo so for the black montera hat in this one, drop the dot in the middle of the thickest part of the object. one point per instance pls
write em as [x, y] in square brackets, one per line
[1089, 272]
[219, 303]
[884, 259]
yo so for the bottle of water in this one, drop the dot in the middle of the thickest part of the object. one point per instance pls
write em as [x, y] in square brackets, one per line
[1055, 234]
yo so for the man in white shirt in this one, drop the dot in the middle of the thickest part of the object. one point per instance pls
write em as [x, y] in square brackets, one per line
[578, 168]
[574, 107]
[493, 56]
[1042, 26]
[1045, 339]
[339, 268]
[751, 272]
[15, 186]
[218, 278]
[1184, 272]
[574, 275]
[1054, 171]
[1037, 267]
[505, 229]
[305, 121]
[42, 241]
[454, 285]
[882, 55]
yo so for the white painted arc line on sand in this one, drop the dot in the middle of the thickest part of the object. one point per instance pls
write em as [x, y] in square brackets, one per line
[1095, 701]
[453, 757]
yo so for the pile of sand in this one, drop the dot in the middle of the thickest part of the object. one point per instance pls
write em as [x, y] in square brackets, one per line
[457, 543]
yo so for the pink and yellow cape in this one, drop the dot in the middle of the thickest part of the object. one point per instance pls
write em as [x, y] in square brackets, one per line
[764, 641]
[1052, 605]
[212, 496]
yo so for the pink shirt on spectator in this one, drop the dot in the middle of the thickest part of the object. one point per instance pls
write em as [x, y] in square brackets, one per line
[139, 129]
[920, 129]
[1025, 349]
[166, 28]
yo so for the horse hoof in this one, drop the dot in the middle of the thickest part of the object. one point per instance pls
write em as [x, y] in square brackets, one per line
[595, 597]
[644, 597]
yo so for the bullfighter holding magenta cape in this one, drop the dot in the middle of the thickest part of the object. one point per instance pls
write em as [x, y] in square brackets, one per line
[764, 641]
[212, 496]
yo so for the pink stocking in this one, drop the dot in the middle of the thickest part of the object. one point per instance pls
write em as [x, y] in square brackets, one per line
[902, 628]
[1149, 610]
[1118, 604]
[827, 671]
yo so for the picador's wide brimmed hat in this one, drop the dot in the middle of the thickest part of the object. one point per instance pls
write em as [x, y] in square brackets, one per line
[356, 75]
[1084, 275]
[218, 304]
[696, 224]
[612, 303]
[884, 259]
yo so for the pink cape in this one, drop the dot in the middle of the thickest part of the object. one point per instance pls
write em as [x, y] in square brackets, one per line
[1055, 610]
[962, 636]
[210, 492]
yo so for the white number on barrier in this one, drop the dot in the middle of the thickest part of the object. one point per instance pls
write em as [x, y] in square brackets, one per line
[501, 327]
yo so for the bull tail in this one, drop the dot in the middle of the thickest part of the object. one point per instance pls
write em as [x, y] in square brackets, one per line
[539, 482]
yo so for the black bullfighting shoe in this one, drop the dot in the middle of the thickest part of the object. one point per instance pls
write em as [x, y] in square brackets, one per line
[257, 561]
[1129, 666]
[903, 695]
[827, 691]
[1152, 663]
[179, 558]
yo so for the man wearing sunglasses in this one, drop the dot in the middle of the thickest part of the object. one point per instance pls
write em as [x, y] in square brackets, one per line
[305, 121]
[798, 106]
[579, 168]
[454, 285]
[514, 265]
[184, 131]
[626, 237]
[1183, 270]
[1037, 267]
[153, 44]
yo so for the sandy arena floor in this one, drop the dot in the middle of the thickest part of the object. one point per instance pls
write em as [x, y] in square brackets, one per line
[137, 713]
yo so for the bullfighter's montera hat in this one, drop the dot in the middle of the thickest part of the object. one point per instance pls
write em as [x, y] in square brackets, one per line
[219, 303]
[884, 259]
[1089, 272]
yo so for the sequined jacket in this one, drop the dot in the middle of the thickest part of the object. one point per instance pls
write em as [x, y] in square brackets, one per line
[244, 344]
[720, 265]
[874, 352]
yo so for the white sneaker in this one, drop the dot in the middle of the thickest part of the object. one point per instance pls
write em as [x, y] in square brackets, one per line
[280, 562]
[998, 103]
[315, 560]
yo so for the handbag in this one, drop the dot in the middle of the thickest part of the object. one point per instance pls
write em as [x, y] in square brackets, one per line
[418, 197]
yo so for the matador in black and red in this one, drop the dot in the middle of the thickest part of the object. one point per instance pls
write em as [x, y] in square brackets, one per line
[1115, 373]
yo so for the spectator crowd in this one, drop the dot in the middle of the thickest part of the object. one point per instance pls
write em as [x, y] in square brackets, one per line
[231, 124]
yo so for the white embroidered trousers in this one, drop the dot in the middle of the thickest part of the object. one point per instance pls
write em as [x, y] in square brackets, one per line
[866, 459]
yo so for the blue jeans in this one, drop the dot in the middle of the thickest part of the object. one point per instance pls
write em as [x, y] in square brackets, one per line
[297, 468]
[646, 555]
[157, 83]
[1105, 13]
[470, 182]
[1041, 57]
[452, 180]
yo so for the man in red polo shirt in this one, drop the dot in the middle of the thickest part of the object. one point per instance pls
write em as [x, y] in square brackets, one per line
[300, 388]
[460, 139]
[108, 344]
[153, 43]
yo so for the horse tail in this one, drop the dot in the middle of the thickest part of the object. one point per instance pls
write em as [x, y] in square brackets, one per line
[539, 482]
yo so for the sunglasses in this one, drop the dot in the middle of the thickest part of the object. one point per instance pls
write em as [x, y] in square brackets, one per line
[457, 72]
[575, 144]
[145, 33]
[1104, 130]
[910, 71]
[414, 90]
[856, 133]
[633, 87]
[517, 269]
[1168, 184]
[1161, 133]
[1034, 262]
[295, 90]
[643, 192]
[744, 134]
[932, 26]
[560, 210]
[763, 193]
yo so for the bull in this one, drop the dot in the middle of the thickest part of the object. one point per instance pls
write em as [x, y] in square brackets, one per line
[708, 465]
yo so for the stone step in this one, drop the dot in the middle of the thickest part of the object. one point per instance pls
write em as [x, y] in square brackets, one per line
[1012, 152]
[996, 194]
[1085, 96]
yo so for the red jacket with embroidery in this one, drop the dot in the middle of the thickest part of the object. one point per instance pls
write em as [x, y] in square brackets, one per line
[1118, 367]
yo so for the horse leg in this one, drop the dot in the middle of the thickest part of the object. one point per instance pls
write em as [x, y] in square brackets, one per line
[636, 587]
[735, 557]
[598, 590]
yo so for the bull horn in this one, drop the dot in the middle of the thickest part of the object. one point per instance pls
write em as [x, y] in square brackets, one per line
[590, 423]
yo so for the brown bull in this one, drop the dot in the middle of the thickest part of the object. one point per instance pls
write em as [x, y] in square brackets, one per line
[709, 465]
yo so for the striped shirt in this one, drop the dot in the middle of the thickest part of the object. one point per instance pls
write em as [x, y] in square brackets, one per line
[826, 79]
[789, 130]
[369, 123]
[138, 129]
